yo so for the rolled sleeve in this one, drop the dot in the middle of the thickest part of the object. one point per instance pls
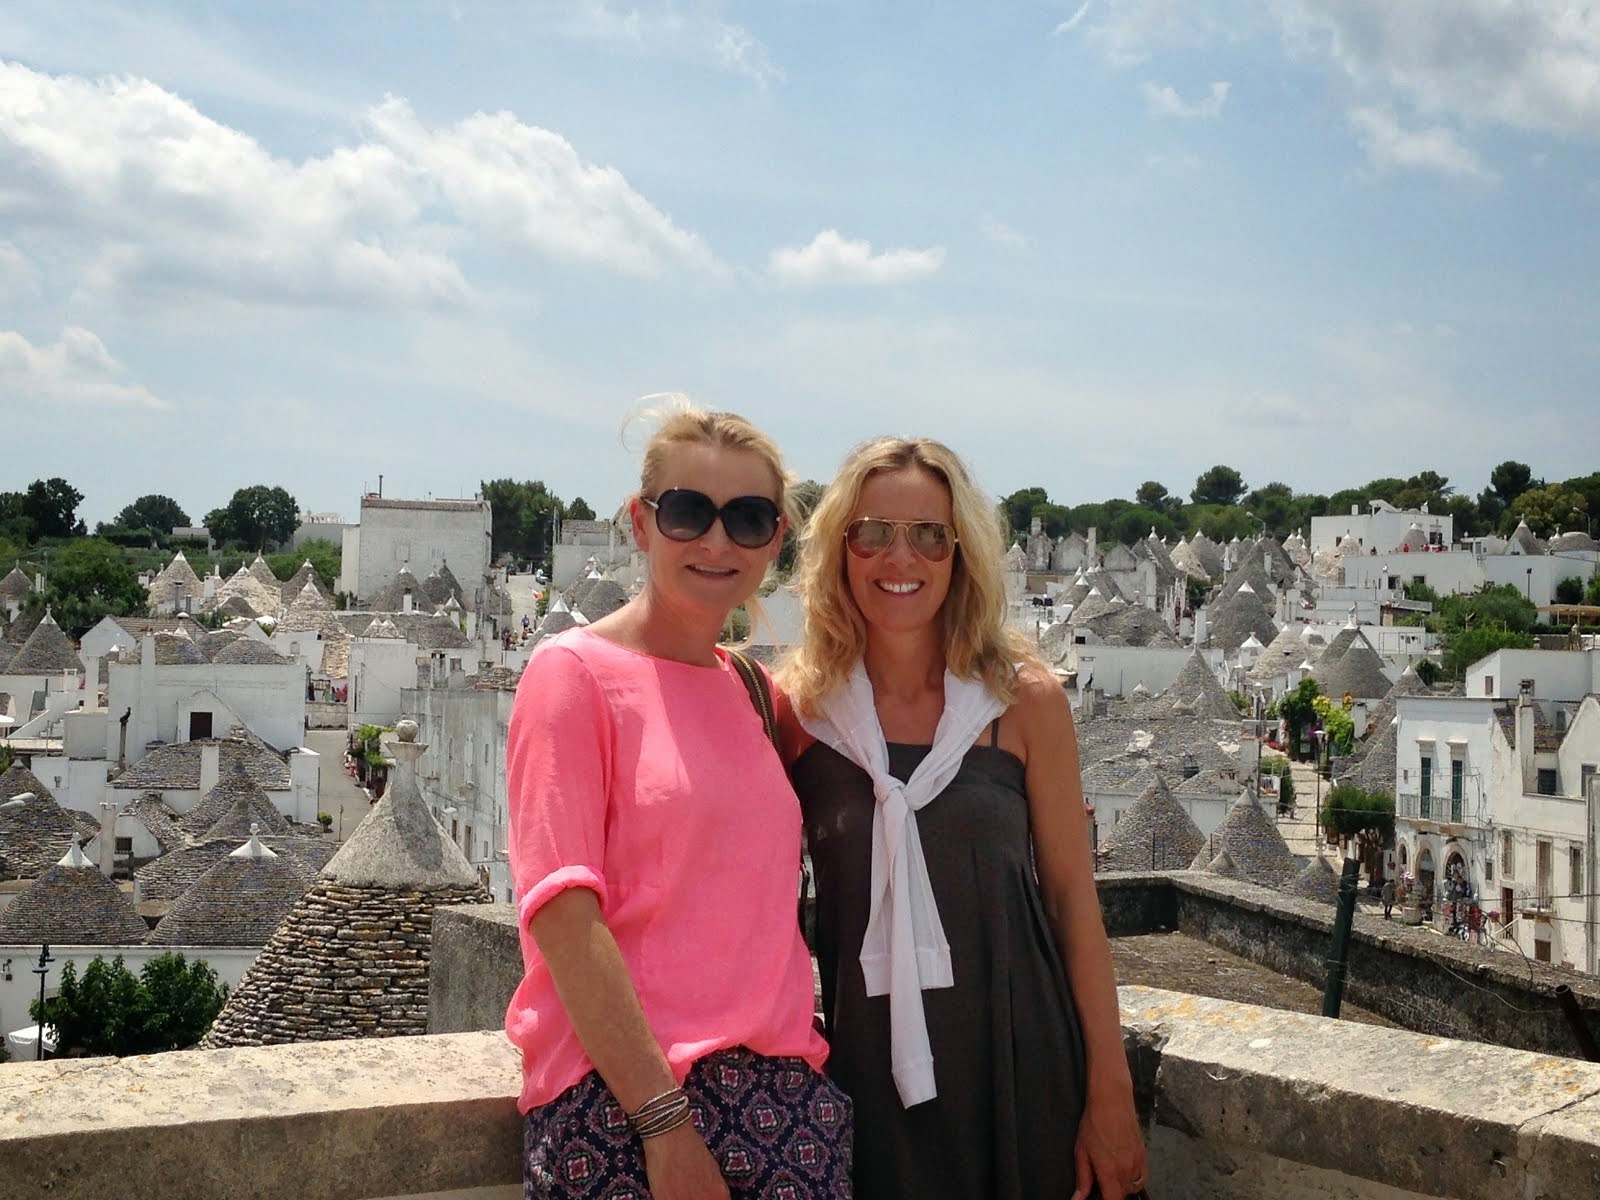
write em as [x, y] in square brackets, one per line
[558, 764]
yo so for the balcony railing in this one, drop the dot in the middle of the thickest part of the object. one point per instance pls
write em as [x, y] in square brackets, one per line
[1447, 809]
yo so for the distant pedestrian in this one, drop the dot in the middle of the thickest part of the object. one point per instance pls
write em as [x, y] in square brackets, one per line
[1388, 898]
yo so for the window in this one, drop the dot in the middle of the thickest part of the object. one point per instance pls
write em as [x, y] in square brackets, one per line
[1425, 809]
[199, 726]
[1508, 855]
[1547, 781]
[467, 845]
[1526, 686]
[1585, 777]
[1420, 580]
[1575, 871]
[455, 831]
[1488, 685]
[1541, 950]
[124, 847]
[1545, 867]
[1488, 868]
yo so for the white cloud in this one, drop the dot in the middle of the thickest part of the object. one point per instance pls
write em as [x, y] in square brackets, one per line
[1533, 64]
[1075, 19]
[18, 277]
[665, 29]
[830, 258]
[78, 370]
[1165, 102]
[163, 199]
[1000, 233]
[1435, 148]
[1129, 31]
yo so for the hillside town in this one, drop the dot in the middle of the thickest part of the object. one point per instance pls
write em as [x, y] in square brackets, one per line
[222, 776]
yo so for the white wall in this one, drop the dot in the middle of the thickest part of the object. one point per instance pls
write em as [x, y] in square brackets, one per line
[1383, 530]
[1557, 674]
[1117, 670]
[465, 731]
[380, 670]
[270, 699]
[1207, 812]
[785, 623]
[75, 783]
[456, 532]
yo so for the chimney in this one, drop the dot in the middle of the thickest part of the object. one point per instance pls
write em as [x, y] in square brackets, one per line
[1525, 743]
[108, 837]
[147, 651]
[1201, 627]
[1091, 547]
[405, 601]
[122, 739]
[210, 766]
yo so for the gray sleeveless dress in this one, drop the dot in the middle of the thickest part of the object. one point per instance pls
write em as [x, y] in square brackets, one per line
[1007, 1048]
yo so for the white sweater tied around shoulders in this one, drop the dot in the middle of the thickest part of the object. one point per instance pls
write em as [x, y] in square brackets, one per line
[904, 951]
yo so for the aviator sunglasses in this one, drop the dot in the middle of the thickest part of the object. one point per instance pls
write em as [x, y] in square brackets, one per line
[683, 515]
[871, 536]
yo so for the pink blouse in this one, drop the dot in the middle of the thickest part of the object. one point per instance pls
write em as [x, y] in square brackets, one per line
[651, 783]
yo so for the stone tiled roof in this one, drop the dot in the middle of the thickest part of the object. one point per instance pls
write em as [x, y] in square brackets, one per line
[152, 812]
[1095, 605]
[1209, 553]
[260, 597]
[392, 598]
[231, 807]
[239, 901]
[176, 767]
[176, 581]
[1248, 572]
[15, 584]
[1357, 672]
[1282, 656]
[1525, 540]
[382, 627]
[74, 904]
[46, 651]
[424, 505]
[1234, 619]
[1154, 834]
[351, 958]
[307, 599]
[1222, 865]
[35, 834]
[1573, 540]
[237, 606]
[1254, 844]
[171, 875]
[296, 584]
[502, 679]
[249, 652]
[1194, 691]
[1317, 881]
[7, 653]
[1132, 625]
[1187, 561]
[603, 599]
[425, 631]
[212, 641]
[22, 628]
[172, 650]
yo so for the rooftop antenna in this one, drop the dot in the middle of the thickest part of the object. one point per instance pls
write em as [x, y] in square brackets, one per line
[380, 486]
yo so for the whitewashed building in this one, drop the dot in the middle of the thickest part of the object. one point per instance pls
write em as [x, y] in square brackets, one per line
[423, 534]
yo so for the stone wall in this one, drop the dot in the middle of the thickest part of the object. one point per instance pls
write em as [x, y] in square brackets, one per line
[347, 962]
[1416, 978]
[1240, 1103]
[321, 715]
[476, 965]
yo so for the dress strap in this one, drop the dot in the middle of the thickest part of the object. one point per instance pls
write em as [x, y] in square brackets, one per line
[994, 732]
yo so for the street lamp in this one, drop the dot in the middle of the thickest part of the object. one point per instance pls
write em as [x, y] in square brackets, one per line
[1586, 526]
[41, 971]
[1253, 517]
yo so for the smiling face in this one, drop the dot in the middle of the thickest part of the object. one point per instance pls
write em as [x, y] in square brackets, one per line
[711, 574]
[899, 590]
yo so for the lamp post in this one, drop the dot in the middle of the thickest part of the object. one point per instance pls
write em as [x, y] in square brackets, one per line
[1587, 529]
[41, 971]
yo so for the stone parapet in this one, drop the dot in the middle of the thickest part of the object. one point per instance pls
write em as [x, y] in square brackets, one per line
[476, 965]
[1242, 1103]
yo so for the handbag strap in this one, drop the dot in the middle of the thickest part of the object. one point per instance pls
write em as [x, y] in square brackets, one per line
[755, 682]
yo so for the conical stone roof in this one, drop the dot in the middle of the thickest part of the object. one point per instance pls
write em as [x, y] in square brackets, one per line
[1209, 553]
[1222, 864]
[35, 833]
[234, 788]
[1187, 561]
[249, 652]
[1154, 834]
[1357, 672]
[1254, 844]
[1095, 605]
[72, 903]
[1236, 618]
[15, 585]
[46, 651]
[1317, 880]
[301, 579]
[1282, 656]
[251, 812]
[603, 599]
[263, 574]
[351, 958]
[382, 627]
[1197, 692]
[392, 598]
[239, 901]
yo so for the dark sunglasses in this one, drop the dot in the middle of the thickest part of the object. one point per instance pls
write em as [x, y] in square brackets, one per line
[871, 536]
[683, 515]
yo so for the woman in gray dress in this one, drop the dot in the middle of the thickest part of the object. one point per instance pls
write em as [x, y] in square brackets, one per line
[966, 976]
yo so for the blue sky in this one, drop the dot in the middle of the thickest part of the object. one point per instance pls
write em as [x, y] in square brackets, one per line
[1322, 241]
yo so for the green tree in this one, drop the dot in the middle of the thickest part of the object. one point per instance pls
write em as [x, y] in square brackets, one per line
[1219, 485]
[51, 505]
[1547, 510]
[258, 518]
[1353, 812]
[805, 496]
[1591, 594]
[521, 518]
[1468, 646]
[1587, 486]
[1299, 711]
[14, 523]
[325, 558]
[1271, 503]
[1494, 605]
[89, 579]
[579, 510]
[1221, 523]
[1020, 506]
[1570, 590]
[1509, 480]
[109, 1010]
[160, 513]
[1153, 495]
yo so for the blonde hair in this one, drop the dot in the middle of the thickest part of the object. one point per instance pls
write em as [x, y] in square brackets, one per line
[678, 422]
[977, 642]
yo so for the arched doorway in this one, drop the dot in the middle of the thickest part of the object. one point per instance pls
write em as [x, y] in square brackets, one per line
[1425, 872]
[1455, 871]
[1405, 859]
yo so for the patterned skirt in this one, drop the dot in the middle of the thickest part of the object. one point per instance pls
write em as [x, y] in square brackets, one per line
[778, 1129]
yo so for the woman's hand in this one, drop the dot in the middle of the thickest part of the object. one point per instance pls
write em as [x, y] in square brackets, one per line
[680, 1167]
[1110, 1149]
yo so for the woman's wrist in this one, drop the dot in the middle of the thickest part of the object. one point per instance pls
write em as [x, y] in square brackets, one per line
[1110, 1080]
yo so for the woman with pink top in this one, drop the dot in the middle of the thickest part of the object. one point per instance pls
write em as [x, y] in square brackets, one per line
[665, 1019]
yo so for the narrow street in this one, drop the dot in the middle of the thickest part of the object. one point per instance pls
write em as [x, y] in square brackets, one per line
[339, 794]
